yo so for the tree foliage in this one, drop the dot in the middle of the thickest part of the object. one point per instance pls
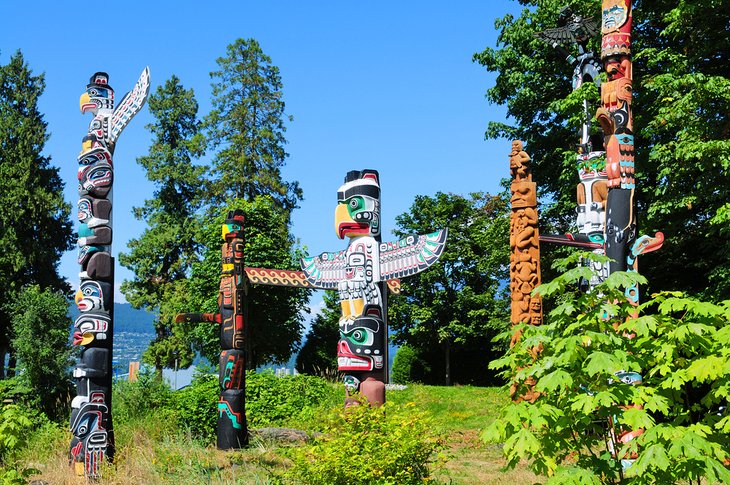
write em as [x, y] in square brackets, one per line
[247, 127]
[161, 258]
[318, 355]
[680, 345]
[40, 328]
[274, 324]
[450, 312]
[682, 135]
[32, 207]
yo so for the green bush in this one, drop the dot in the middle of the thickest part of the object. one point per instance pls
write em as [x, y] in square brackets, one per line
[133, 400]
[392, 444]
[681, 346]
[279, 401]
[15, 424]
[196, 406]
[408, 366]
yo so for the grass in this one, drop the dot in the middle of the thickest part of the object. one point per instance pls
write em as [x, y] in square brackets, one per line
[156, 449]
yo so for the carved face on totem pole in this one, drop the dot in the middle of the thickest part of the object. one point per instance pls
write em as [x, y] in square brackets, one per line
[98, 95]
[233, 226]
[94, 212]
[89, 445]
[90, 326]
[358, 205]
[93, 296]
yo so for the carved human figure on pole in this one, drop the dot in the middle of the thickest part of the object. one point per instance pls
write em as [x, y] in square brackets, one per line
[524, 240]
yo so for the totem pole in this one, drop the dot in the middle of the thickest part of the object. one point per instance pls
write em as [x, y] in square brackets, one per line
[91, 417]
[592, 191]
[360, 273]
[523, 241]
[231, 431]
[606, 209]
[524, 245]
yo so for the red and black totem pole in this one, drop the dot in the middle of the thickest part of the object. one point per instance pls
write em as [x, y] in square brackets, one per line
[232, 432]
[91, 416]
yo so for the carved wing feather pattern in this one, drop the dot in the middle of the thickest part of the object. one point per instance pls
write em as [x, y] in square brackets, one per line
[577, 31]
[326, 270]
[129, 106]
[411, 255]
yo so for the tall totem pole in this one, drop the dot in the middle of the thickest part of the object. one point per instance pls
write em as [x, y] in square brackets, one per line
[231, 430]
[91, 417]
[606, 209]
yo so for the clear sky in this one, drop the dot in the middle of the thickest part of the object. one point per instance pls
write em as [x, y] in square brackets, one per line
[384, 85]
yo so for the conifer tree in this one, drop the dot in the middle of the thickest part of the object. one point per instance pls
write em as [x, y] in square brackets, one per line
[161, 258]
[35, 229]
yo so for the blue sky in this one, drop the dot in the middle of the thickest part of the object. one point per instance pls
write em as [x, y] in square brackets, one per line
[384, 85]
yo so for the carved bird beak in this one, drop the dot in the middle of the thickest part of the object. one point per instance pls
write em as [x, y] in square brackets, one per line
[85, 103]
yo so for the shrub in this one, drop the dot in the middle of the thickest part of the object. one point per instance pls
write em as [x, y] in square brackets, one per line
[15, 424]
[196, 406]
[407, 366]
[681, 346]
[278, 401]
[133, 400]
[391, 444]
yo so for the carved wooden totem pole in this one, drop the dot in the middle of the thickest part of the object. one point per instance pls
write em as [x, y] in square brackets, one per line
[360, 273]
[524, 241]
[606, 209]
[231, 431]
[91, 418]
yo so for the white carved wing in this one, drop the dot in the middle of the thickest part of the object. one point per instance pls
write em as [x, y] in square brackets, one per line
[326, 270]
[411, 255]
[130, 105]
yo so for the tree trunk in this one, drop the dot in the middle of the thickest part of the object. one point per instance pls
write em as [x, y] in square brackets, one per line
[447, 356]
[3, 350]
[12, 362]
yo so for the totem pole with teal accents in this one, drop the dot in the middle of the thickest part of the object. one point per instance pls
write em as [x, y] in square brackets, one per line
[607, 219]
[360, 273]
[91, 409]
[231, 318]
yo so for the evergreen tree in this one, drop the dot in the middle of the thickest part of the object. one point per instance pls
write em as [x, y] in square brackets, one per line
[35, 229]
[318, 355]
[449, 313]
[246, 128]
[682, 129]
[247, 125]
[40, 324]
[161, 258]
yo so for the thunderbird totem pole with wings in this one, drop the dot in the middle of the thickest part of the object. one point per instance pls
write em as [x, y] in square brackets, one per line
[360, 273]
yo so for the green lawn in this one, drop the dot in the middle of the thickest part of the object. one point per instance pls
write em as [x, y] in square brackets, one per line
[155, 449]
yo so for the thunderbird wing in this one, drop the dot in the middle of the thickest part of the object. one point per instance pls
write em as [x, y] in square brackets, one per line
[411, 255]
[326, 270]
[130, 105]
